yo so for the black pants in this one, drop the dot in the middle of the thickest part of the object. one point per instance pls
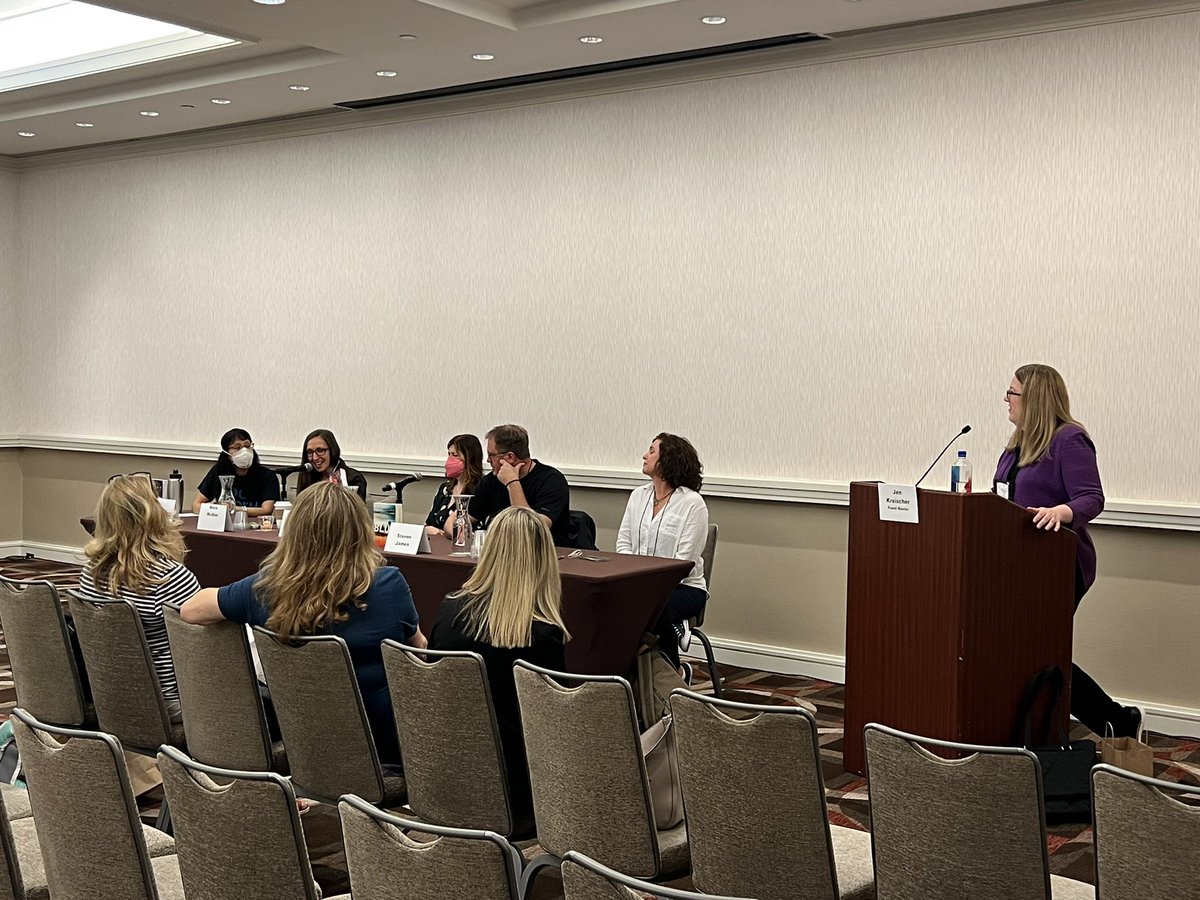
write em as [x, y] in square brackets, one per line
[685, 601]
[1089, 703]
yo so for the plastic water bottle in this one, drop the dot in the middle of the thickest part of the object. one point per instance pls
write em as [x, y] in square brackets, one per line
[960, 474]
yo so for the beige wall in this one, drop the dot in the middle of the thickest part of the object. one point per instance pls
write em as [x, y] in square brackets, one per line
[780, 573]
[10, 496]
[11, 274]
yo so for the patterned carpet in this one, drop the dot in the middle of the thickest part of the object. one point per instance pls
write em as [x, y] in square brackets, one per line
[1071, 855]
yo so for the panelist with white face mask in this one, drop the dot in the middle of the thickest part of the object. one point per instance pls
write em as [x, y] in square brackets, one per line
[255, 487]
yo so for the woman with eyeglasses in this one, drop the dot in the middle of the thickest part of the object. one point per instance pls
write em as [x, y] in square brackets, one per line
[326, 576]
[669, 518]
[1049, 466]
[322, 452]
[137, 555]
[464, 469]
[255, 487]
[509, 609]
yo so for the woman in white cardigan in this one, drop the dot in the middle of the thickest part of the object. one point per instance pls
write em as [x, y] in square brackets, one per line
[668, 518]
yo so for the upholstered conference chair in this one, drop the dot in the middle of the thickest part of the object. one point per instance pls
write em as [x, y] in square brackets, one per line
[44, 669]
[710, 552]
[1147, 841]
[93, 844]
[385, 863]
[755, 802]
[453, 761]
[590, 791]
[238, 833]
[972, 826]
[586, 879]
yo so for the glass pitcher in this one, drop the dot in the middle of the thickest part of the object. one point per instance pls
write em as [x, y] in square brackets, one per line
[226, 497]
[463, 532]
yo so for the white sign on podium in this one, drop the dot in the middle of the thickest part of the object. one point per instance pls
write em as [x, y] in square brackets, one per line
[898, 503]
[406, 539]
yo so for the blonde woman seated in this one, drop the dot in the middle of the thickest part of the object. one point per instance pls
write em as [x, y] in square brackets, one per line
[509, 609]
[327, 577]
[137, 555]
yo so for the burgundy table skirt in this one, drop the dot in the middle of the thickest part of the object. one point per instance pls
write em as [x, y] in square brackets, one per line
[607, 605]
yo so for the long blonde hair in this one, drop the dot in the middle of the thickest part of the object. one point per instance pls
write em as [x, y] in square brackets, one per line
[133, 535]
[325, 559]
[515, 584]
[1045, 408]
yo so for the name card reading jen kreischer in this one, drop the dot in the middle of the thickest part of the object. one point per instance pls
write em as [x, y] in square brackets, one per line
[898, 503]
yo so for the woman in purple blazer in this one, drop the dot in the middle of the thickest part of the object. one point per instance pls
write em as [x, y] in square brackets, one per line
[1049, 466]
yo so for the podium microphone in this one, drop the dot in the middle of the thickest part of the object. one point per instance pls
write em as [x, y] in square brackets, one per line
[965, 429]
[399, 486]
[284, 471]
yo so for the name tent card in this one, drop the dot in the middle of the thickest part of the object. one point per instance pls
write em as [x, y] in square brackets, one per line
[898, 503]
[213, 517]
[406, 539]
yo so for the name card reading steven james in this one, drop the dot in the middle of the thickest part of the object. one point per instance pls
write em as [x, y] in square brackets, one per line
[406, 539]
[898, 503]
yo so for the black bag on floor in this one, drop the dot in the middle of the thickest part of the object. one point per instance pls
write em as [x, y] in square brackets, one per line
[1066, 765]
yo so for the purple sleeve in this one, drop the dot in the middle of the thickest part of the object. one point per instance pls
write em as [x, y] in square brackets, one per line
[1080, 476]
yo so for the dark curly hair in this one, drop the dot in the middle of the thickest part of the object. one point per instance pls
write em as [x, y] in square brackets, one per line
[678, 463]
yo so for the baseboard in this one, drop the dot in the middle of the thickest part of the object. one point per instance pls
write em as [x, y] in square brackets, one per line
[56, 552]
[1178, 721]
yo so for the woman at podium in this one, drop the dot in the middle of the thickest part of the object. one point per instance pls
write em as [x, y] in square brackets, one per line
[1049, 466]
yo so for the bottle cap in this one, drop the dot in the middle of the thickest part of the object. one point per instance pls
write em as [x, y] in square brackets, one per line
[962, 453]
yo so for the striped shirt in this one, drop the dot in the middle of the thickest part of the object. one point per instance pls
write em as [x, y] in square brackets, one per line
[178, 583]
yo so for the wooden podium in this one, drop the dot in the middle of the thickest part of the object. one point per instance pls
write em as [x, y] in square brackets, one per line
[947, 619]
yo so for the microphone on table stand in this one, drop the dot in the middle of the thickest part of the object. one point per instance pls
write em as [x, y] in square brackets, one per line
[284, 471]
[399, 486]
[965, 429]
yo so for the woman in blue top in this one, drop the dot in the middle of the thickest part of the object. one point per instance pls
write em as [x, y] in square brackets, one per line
[327, 577]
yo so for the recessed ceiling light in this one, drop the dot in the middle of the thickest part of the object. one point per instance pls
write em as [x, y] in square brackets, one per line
[483, 57]
[221, 101]
[591, 39]
[299, 87]
[26, 134]
[148, 112]
[270, 2]
[408, 37]
[84, 125]
[386, 73]
[187, 105]
[713, 20]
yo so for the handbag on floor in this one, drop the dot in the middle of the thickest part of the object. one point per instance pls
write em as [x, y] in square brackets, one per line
[1127, 753]
[1066, 765]
[662, 771]
[10, 756]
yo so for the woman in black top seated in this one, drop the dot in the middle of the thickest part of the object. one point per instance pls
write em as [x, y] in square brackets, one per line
[509, 609]
[464, 468]
[324, 454]
[255, 487]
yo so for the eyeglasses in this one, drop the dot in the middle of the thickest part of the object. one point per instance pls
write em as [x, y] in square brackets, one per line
[1010, 393]
[146, 475]
[492, 456]
[323, 451]
[234, 448]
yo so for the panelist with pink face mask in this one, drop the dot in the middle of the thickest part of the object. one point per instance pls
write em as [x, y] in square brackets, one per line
[464, 469]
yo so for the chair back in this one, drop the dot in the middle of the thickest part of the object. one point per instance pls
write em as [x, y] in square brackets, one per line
[453, 761]
[238, 834]
[223, 715]
[125, 690]
[45, 674]
[710, 552]
[386, 864]
[586, 879]
[581, 530]
[755, 798]
[1146, 840]
[586, 769]
[87, 818]
[330, 747]
[961, 827]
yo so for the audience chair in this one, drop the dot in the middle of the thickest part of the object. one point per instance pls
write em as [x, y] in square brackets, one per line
[22, 872]
[972, 826]
[755, 803]
[125, 689]
[710, 550]
[331, 750]
[93, 845]
[453, 761]
[45, 672]
[446, 864]
[238, 833]
[1147, 842]
[223, 716]
[585, 879]
[589, 779]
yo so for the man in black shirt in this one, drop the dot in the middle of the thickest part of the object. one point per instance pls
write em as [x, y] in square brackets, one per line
[518, 480]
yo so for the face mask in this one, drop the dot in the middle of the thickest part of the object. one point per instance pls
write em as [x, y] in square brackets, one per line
[243, 459]
[454, 467]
